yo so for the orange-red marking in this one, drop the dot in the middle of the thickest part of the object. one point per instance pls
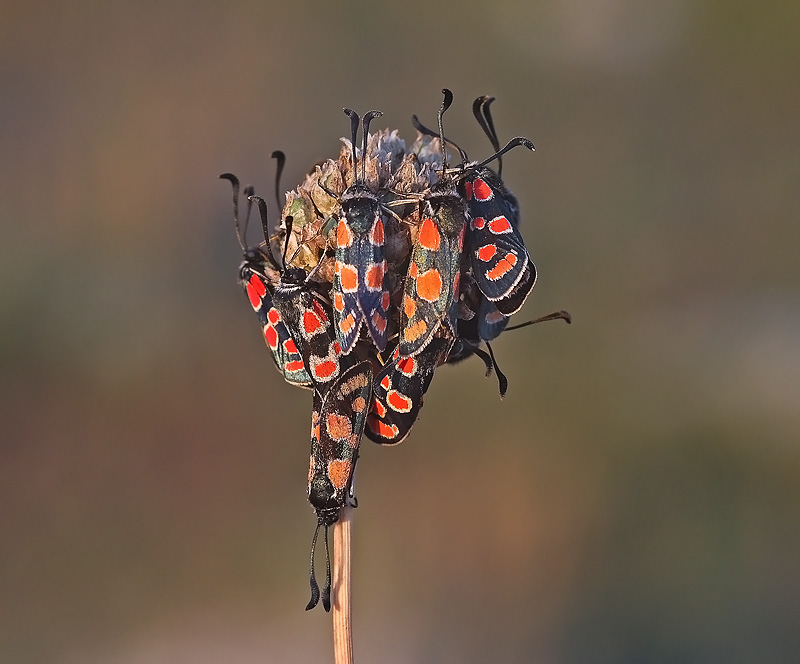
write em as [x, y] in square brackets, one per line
[429, 285]
[398, 402]
[429, 237]
[344, 238]
[503, 267]
[348, 276]
[486, 252]
[481, 190]
[339, 472]
[499, 225]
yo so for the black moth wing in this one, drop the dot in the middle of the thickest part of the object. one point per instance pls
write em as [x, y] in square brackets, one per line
[399, 389]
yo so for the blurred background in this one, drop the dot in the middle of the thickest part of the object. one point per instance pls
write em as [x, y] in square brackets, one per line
[636, 496]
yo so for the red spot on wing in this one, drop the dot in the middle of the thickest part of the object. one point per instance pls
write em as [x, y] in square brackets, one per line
[348, 277]
[344, 237]
[486, 252]
[468, 190]
[503, 266]
[500, 225]
[409, 306]
[320, 311]
[379, 322]
[325, 369]
[339, 472]
[429, 285]
[413, 270]
[294, 365]
[376, 234]
[379, 408]
[290, 346]
[311, 323]
[338, 302]
[273, 316]
[347, 323]
[385, 384]
[429, 237]
[413, 332]
[477, 223]
[271, 336]
[407, 366]
[385, 301]
[399, 402]
[256, 290]
[375, 276]
[388, 431]
[481, 190]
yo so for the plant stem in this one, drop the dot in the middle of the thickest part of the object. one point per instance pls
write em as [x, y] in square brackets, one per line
[341, 595]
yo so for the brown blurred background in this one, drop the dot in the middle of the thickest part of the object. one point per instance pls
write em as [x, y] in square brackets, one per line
[635, 498]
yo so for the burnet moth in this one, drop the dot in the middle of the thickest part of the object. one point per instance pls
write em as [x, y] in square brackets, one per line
[337, 422]
[360, 295]
[431, 289]
[258, 275]
[342, 394]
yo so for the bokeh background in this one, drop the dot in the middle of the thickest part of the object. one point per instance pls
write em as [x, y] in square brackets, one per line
[635, 498]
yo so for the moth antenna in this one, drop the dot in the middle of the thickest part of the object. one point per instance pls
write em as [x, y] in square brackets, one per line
[312, 578]
[556, 315]
[281, 159]
[513, 143]
[501, 377]
[326, 591]
[486, 360]
[368, 118]
[354, 122]
[261, 204]
[248, 192]
[446, 102]
[422, 129]
[480, 109]
[230, 177]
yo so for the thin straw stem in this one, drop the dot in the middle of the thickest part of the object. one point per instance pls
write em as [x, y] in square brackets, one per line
[341, 595]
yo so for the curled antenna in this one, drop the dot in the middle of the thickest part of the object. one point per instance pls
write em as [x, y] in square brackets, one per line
[230, 177]
[326, 589]
[556, 315]
[446, 103]
[513, 143]
[354, 121]
[313, 579]
[422, 129]
[501, 377]
[241, 233]
[368, 118]
[480, 109]
[261, 204]
[281, 159]
[248, 193]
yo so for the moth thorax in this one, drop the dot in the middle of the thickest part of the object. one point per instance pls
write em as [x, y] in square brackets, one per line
[327, 516]
[357, 192]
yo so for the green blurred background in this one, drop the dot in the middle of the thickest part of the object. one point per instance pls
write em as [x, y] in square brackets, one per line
[635, 498]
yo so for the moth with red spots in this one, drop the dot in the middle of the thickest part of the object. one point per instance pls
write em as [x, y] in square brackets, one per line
[360, 295]
[430, 294]
[501, 264]
[399, 389]
[258, 274]
[337, 423]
